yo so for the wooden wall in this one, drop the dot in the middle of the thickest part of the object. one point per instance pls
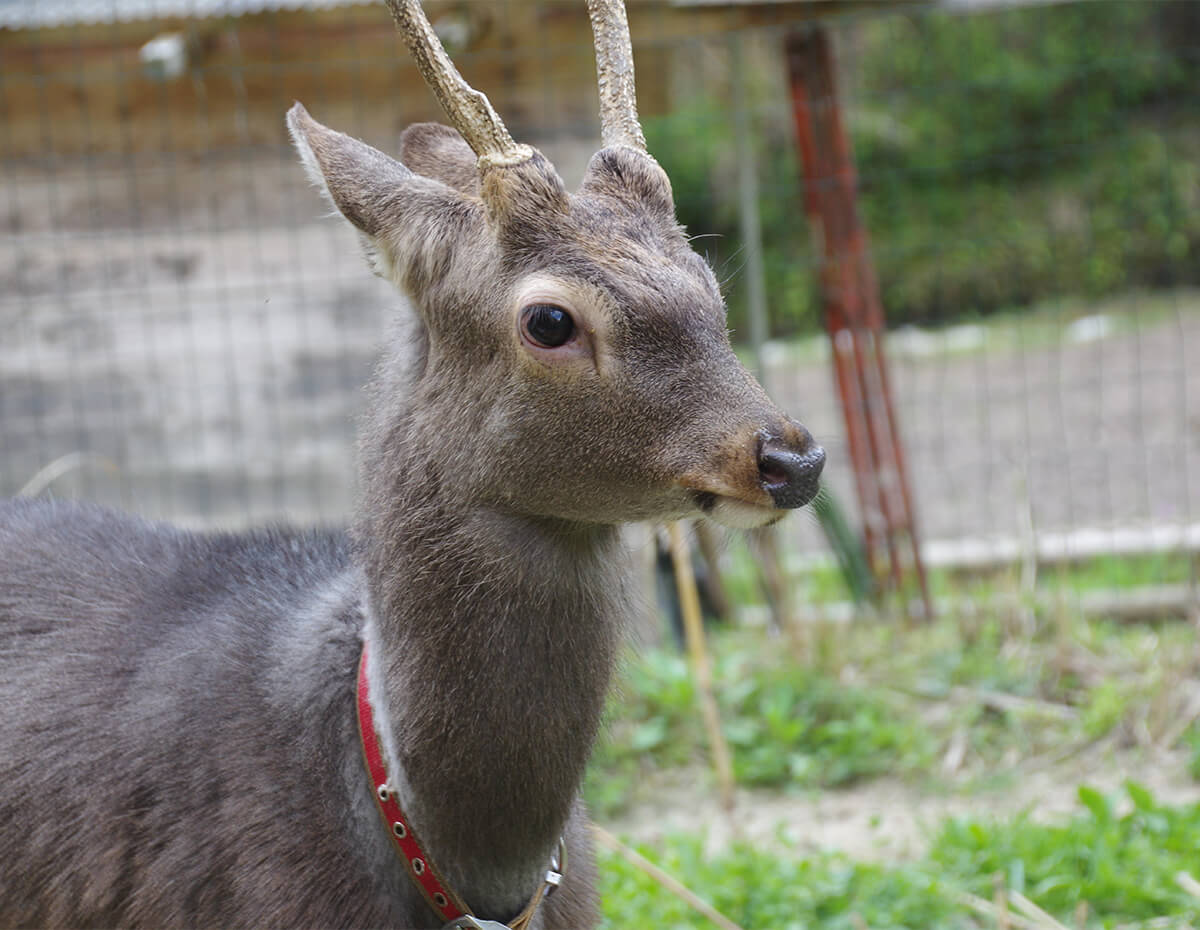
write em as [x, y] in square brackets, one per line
[81, 90]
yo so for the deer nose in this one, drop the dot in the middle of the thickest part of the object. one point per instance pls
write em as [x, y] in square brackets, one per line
[790, 472]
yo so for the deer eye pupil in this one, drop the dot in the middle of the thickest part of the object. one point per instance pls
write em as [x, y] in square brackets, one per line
[548, 325]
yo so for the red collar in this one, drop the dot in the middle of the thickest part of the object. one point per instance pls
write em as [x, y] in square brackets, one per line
[449, 906]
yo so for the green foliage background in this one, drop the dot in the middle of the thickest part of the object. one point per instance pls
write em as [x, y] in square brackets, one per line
[1004, 159]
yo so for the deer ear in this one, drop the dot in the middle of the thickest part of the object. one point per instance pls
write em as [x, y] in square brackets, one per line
[624, 173]
[358, 180]
[439, 152]
[400, 216]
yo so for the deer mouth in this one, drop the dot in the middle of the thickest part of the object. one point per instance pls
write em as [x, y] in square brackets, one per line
[736, 512]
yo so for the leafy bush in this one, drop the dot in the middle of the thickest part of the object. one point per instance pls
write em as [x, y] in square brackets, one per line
[695, 145]
[1004, 158]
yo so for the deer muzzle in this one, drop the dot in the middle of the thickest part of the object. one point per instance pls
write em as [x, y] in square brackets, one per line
[758, 474]
[790, 471]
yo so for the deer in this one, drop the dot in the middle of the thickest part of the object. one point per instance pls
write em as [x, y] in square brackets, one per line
[389, 726]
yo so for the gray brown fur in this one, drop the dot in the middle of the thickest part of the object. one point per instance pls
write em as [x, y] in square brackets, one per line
[179, 745]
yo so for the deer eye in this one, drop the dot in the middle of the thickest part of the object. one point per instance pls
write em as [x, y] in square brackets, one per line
[547, 325]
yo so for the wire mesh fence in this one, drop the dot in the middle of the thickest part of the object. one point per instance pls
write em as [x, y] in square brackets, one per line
[185, 332]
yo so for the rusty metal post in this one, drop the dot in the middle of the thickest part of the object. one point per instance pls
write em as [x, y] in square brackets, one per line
[853, 317]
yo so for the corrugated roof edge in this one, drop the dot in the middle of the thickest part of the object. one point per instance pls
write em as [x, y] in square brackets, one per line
[45, 14]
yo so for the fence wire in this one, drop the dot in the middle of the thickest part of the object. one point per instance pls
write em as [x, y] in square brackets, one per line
[185, 331]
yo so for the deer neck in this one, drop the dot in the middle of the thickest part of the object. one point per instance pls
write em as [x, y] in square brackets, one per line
[492, 641]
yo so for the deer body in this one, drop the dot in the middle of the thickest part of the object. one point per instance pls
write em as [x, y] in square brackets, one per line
[184, 750]
[180, 745]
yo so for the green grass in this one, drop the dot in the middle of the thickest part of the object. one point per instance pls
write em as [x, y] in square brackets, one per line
[823, 584]
[1121, 572]
[1122, 863]
[1119, 855]
[1010, 687]
[874, 699]
[776, 889]
[1191, 741]
[787, 726]
[1021, 328]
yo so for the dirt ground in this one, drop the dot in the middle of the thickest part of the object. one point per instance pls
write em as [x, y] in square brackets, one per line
[888, 820]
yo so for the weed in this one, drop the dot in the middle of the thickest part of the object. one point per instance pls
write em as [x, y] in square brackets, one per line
[977, 694]
[759, 888]
[1191, 740]
[787, 726]
[1122, 865]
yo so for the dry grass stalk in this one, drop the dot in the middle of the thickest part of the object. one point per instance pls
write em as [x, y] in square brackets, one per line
[1188, 884]
[664, 879]
[988, 909]
[693, 625]
[1033, 912]
[1000, 901]
[1190, 715]
[1005, 703]
[956, 751]
[63, 465]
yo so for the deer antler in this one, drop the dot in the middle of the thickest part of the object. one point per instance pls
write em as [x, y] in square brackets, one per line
[614, 69]
[468, 109]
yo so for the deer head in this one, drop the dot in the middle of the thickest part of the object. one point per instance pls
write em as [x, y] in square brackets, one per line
[567, 355]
